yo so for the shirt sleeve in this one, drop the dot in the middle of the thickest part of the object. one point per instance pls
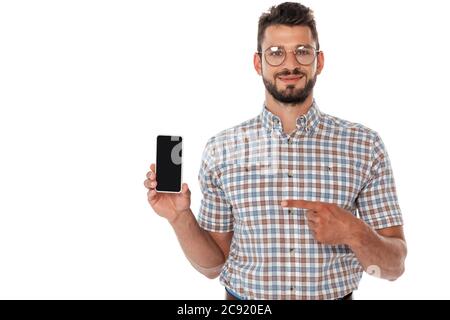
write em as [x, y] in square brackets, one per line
[377, 202]
[215, 211]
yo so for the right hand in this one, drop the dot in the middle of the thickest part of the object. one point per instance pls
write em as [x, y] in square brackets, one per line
[167, 205]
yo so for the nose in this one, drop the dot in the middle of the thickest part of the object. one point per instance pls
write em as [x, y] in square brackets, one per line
[290, 61]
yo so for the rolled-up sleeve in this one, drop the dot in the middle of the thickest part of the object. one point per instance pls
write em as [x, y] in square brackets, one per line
[215, 211]
[377, 202]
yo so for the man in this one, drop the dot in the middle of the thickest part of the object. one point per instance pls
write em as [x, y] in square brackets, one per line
[296, 203]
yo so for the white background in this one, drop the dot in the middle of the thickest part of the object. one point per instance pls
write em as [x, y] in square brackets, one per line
[86, 86]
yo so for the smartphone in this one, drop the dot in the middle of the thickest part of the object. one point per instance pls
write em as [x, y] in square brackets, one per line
[168, 163]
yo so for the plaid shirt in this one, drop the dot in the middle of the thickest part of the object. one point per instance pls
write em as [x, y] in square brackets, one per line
[247, 170]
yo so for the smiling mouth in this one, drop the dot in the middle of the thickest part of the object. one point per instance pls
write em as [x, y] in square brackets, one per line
[290, 79]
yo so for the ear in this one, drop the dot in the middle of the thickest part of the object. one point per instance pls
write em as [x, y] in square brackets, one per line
[320, 62]
[257, 63]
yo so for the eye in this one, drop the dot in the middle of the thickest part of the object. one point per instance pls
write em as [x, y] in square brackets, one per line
[303, 52]
[275, 52]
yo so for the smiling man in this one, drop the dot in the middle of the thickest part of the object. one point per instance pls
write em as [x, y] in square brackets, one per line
[296, 203]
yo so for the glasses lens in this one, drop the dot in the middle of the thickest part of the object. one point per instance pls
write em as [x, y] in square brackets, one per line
[305, 55]
[275, 55]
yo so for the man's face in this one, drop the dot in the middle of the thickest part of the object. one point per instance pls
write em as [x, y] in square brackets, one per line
[290, 82]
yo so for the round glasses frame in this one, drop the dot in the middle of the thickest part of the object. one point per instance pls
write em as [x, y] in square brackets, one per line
[271, 49]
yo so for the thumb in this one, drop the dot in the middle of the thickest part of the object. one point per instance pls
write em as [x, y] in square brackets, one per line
[185, 190]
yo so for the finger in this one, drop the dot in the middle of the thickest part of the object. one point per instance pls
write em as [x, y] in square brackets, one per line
[151, 194]
[313, 226]
[312, 216]
[150, 184]
[152, 167]
[151, 175]
[312, 205]
[185, 190]
[312, 229]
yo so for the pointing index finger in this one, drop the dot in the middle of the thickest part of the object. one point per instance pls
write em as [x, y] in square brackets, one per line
[305, 204]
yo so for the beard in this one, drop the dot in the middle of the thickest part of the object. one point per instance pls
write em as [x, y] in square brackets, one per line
[290, 95]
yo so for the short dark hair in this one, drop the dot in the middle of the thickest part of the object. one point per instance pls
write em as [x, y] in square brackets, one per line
[287, 13]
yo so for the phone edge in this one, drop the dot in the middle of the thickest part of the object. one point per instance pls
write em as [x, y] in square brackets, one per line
[156, 162]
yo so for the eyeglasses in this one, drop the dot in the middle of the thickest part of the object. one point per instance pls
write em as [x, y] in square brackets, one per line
[304, 54]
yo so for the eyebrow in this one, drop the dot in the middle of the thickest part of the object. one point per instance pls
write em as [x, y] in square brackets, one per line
[297, 45]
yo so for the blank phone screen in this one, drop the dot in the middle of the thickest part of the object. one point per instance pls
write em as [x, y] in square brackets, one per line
[168, 163]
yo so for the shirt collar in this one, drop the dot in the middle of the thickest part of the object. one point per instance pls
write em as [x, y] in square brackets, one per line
[307, 122]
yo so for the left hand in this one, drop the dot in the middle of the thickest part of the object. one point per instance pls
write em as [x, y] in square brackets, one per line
[329, 223]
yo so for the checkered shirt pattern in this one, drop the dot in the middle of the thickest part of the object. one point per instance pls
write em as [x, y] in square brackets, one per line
[247, 170]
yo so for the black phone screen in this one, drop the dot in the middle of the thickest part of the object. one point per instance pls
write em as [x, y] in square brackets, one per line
[168, 163]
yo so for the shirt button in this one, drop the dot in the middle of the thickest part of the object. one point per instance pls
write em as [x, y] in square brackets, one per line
[292, 288]
[291, 250]
[290, 211]
[290, 174]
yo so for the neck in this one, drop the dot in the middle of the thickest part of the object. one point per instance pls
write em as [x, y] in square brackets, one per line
[288, 113]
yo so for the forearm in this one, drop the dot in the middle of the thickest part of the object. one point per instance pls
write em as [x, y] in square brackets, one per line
[380, 256]
[198, 246]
